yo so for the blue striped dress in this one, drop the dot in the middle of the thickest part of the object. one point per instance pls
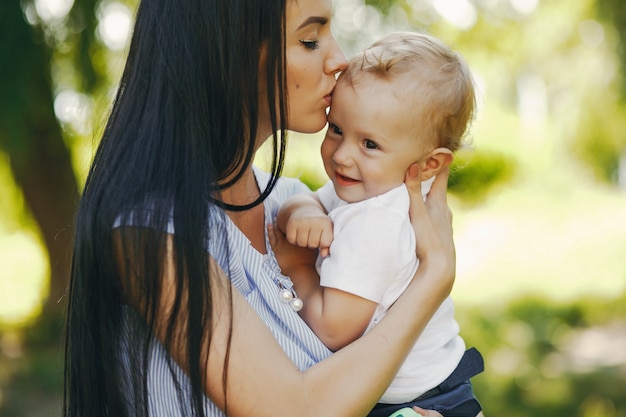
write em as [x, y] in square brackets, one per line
[255, 275]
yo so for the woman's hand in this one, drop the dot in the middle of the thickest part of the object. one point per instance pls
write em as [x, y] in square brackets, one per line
[432, 220]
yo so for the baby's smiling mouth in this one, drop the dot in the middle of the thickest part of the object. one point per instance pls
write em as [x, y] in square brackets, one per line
[343, 180]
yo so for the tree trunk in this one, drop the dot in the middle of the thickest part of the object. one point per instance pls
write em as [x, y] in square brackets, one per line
[47, 181]
[30, 134]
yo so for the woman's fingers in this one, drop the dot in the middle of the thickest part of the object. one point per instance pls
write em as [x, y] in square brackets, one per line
[439, 211]
[431, 220]
[414, 185]
[439, 189]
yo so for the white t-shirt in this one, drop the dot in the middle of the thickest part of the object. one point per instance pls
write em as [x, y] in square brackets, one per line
[373, 256]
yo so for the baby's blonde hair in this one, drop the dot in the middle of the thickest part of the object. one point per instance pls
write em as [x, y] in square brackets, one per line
[439, 86]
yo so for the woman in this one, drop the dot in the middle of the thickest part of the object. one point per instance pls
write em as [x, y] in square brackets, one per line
[173, 217]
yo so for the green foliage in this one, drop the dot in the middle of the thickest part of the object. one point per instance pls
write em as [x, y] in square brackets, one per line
[23, 55]
[601, 141]
[382, 5]
[312, 180]
[614, 11]
[82, 23]
[475, 173]
[541, 360]
[32, 383]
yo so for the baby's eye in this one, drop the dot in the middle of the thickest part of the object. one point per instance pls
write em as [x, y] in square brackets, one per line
[334, 129]
[370, 144]
[310, 43]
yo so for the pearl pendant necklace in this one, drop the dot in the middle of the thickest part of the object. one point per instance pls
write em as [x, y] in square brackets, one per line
[288, 295]
[286, 292]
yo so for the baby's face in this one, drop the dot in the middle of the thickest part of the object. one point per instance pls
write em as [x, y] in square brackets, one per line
[370, 142]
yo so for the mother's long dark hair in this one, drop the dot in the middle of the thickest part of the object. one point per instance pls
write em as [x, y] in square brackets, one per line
[182, 127]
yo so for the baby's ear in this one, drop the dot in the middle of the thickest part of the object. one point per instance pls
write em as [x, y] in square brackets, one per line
[434, 162]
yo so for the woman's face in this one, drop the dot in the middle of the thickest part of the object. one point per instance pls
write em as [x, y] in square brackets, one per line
[313, 60]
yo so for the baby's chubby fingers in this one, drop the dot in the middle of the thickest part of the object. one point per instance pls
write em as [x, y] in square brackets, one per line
[326, 238]
[310, 233]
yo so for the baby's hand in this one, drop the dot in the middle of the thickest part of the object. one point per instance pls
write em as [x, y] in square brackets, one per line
[289, 256]
[313, 232]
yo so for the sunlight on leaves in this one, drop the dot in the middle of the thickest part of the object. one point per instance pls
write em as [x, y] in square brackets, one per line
[23, 283]
[115, 25]
[460, 13]
[53, 10]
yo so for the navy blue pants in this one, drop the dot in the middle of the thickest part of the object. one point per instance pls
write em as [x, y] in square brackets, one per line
[454, 397]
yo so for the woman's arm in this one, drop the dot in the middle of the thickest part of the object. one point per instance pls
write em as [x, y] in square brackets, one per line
[263, 381]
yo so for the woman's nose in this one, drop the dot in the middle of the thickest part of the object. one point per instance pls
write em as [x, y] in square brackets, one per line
[336, 61]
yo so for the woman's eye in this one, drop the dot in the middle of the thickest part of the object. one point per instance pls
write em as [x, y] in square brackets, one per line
[369, 144]
[310, 43]
[334, 128]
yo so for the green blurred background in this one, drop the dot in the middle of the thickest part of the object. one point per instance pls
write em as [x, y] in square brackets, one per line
[539, 195]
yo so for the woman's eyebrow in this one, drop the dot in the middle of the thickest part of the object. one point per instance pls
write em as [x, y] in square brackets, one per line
[312, 20]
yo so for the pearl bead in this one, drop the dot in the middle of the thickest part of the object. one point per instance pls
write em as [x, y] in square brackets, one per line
[296, 304]
[286, 295]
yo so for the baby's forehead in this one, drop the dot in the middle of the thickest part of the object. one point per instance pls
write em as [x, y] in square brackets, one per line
[406, 85]
[406, 112]
[368, 82]
[413, 96]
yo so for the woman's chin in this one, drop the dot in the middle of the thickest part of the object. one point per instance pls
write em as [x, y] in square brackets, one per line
[313, 126]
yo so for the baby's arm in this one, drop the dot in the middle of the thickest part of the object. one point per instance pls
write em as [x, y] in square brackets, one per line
[337, 317]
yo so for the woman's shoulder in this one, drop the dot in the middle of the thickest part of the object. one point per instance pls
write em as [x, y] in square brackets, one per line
[285, 186]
